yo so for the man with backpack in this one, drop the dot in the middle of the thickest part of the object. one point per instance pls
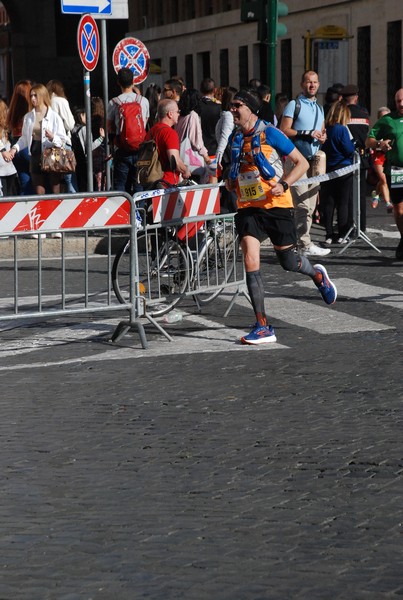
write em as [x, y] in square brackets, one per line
[167, 142]
[303, 122]
[127, 118]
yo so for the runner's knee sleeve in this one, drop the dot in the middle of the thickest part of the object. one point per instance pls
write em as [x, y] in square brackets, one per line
[288, 259]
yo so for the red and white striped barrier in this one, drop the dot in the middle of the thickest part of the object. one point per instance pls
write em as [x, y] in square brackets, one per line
[180, 204]
[81, 213]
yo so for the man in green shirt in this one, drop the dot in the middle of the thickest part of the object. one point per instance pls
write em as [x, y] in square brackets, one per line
[387, 136]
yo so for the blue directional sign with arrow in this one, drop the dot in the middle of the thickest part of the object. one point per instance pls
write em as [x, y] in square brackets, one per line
[81, 7]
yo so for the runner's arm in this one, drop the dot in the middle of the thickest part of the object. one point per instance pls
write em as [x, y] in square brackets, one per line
[301, 166]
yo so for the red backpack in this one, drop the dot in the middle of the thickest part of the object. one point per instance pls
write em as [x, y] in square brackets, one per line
[131, 132]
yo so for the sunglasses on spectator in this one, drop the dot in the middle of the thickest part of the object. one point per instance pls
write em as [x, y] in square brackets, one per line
[236, 104]
[167, 90]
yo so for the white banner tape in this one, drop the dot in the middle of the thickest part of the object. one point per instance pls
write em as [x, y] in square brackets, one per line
[327, 176]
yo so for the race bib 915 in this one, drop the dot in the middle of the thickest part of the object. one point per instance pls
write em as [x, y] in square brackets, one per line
[250, 187]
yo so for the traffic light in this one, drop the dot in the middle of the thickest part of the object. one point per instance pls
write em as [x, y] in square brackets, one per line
[282, 11]
[252, 10]
[265, 12]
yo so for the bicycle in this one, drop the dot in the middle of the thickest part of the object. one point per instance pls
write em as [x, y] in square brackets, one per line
[169, 265]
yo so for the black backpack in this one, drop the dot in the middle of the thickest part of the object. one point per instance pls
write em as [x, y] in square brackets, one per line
[77, 146]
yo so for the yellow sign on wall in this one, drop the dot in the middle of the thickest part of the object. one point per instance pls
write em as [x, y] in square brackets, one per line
[330, 32]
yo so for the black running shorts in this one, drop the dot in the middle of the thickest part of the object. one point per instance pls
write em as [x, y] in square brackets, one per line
[277, 224]
[396, 194]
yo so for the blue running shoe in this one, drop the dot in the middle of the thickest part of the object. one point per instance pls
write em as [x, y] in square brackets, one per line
[260, 334]
[327, 288]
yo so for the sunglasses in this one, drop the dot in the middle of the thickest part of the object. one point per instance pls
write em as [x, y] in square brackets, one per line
[236, 104]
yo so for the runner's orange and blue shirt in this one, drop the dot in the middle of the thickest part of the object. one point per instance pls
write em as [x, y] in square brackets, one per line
[252, 189]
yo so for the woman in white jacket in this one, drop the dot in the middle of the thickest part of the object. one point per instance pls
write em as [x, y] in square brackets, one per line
[61, 105]
[42, 128]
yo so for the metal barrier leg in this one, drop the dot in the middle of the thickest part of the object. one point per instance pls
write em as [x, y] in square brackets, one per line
[357, 216]
[242, 289]
[158, 326]
[120, 331]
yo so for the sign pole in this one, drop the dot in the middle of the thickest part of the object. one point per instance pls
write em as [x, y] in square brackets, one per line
[104, 58]
[88, 48]
[88, 133]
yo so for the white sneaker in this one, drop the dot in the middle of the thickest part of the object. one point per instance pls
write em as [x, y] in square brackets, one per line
[35, 236]
[314, 250]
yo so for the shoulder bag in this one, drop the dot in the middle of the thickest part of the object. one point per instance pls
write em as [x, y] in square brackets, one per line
[58, 160]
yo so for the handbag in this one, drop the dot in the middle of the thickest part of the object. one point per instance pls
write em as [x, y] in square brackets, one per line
[58, 160]
[193, 160]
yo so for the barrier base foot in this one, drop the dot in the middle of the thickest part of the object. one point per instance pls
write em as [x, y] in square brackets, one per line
[124, 326]
[360, 235]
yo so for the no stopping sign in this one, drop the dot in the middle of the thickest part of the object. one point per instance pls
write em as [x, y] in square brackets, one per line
[88, 42]
[131, 54]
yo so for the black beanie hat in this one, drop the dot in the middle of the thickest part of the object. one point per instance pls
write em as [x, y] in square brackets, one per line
[249, 99]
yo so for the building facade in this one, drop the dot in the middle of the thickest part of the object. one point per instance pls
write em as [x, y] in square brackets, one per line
[346, 41]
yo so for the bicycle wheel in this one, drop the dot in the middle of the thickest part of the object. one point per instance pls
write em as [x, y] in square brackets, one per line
[216, 263]
[163, 272]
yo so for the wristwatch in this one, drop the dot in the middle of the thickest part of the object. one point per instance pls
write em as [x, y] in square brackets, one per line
[284, 184]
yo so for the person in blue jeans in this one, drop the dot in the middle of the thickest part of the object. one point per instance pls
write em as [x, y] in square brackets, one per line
[124, 161]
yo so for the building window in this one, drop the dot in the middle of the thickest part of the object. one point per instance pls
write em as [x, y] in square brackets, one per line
[243, 66]
[66, 44]
[174, 17]
[203, 64]
[286, 68]
[189, 76]
[224, 67]
[393, 60]
[173, 66]
[364, 65]
[191, 10]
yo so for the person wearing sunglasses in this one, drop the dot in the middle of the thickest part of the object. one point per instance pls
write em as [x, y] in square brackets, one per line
[172, 90]
[265, 207]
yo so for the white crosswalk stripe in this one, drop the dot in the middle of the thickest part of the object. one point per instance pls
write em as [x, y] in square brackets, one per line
[351, 288]
[198, 333]
[310, 315]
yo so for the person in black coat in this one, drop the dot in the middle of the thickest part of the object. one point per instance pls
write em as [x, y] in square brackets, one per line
[266, 112]
[359, 127]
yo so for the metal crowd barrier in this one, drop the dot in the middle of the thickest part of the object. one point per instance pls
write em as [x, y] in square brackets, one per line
[186, 249]
[64, 283]
[199, 264]
[355, 232]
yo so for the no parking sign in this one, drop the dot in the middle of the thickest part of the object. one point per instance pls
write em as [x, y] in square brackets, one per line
[88, 42]
[131, 54]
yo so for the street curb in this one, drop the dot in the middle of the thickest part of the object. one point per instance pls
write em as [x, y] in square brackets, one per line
[73, 246]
